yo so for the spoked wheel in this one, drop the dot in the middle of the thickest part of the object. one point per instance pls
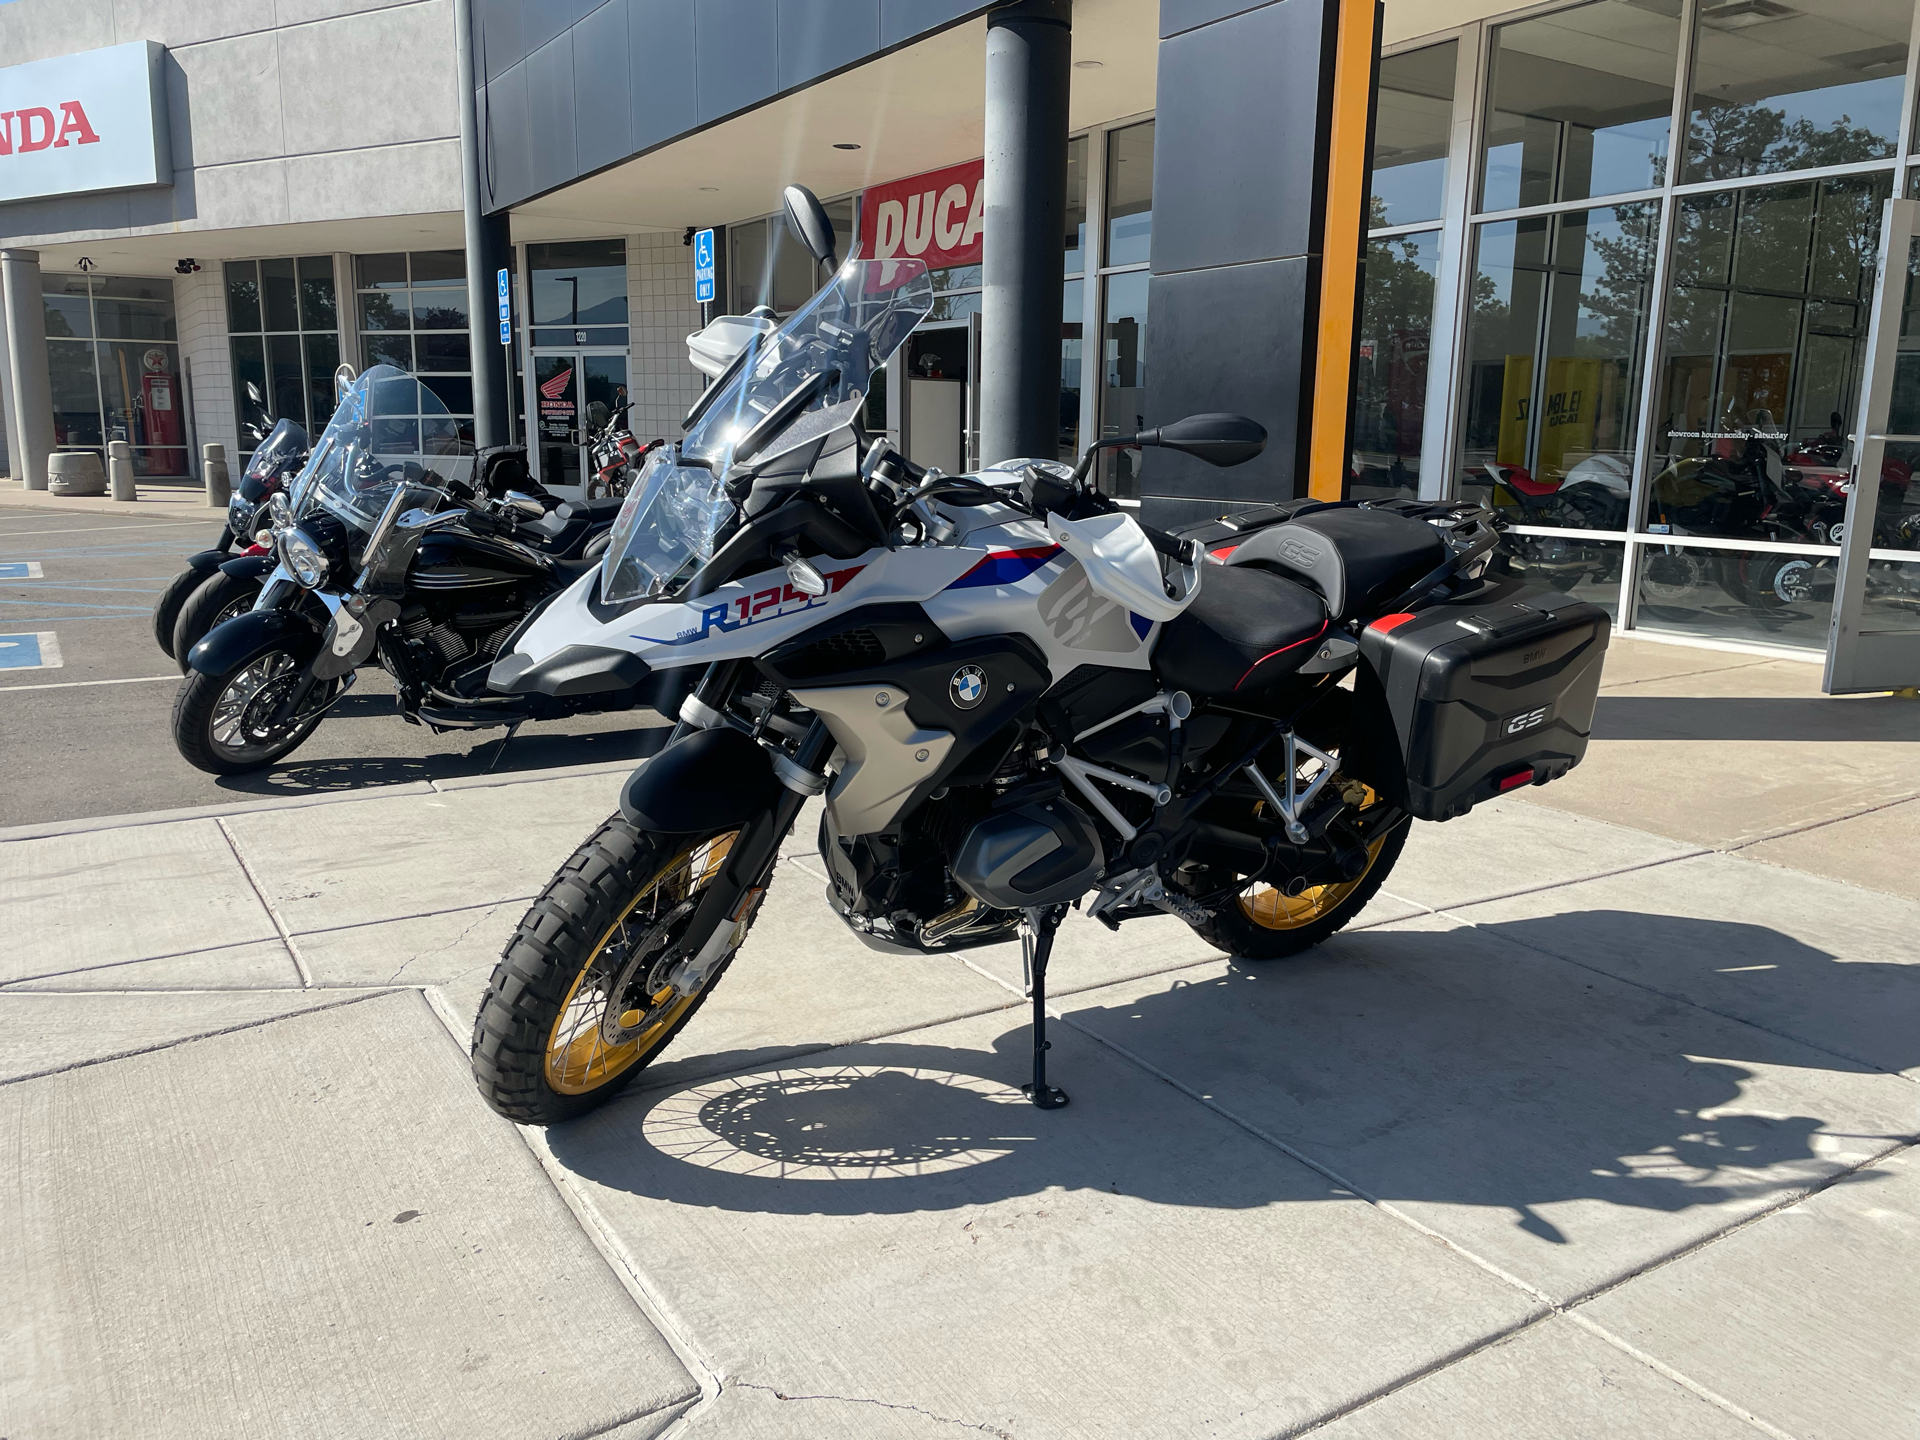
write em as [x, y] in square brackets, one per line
[585, 995]
[218, 599]
[1265, 922]
[224, 724]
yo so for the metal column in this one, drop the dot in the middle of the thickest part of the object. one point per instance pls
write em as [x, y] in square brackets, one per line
[489, 248]
[30, 408]
[1029, 70]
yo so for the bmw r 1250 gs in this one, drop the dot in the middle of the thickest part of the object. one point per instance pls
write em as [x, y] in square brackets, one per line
[1015, 697]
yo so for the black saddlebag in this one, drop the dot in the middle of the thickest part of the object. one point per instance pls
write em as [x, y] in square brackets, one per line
[1483, 695]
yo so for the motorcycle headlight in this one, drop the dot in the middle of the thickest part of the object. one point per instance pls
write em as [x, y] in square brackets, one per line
[304, 558]
[280, 508]
[239, 512]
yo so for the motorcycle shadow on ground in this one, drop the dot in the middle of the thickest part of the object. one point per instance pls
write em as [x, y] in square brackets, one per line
[1465, 1068]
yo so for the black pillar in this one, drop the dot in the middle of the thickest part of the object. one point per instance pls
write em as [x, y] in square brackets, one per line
[489, 250]
[1029, 67]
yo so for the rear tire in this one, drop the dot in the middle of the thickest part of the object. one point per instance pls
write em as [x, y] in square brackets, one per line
[166, 610]
[219, 597]
[548, 1044]
[1262, 924]
[216, 717]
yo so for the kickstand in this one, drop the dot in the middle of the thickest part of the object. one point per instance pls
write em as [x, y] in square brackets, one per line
[501, 748]
[1041, 922]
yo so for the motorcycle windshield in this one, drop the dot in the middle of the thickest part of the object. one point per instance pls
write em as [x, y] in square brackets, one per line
[791, 386]
[284, 444]
[388, 431]
[810, 377]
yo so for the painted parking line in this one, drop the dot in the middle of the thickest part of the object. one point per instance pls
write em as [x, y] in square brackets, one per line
[30, 650]
[20, 570]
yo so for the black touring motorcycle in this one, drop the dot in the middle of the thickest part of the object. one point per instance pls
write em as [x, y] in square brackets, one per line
[379, 558]
[1014, 696]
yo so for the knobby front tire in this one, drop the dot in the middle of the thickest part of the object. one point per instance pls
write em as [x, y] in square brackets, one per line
[575, 1011]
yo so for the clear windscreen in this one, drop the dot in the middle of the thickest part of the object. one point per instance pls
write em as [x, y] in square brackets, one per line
[791, 386]
[389, 430]
[283, 445]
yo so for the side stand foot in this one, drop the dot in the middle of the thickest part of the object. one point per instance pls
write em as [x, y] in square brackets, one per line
[1043, 922]
[501, 750]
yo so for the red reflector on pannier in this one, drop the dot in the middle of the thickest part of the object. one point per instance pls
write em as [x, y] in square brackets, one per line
[1515, 780]
[1389, 622]
[1220, 553]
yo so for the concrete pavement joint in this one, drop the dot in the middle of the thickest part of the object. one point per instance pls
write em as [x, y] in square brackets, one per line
[1749, 663]
[418, 915]
[137, 960]
[1659, 1366]
[599, 1234]
[883, 1404]
[188, 1039]
[1785, 831]
[273, 913]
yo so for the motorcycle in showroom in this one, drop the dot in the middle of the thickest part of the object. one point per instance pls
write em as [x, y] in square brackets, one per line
[1014, 696]
[380, 558]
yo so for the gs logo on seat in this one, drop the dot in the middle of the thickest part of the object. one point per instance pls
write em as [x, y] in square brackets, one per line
[968, 687]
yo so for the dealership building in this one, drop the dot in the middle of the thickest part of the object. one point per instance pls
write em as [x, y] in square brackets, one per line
[1611, 266]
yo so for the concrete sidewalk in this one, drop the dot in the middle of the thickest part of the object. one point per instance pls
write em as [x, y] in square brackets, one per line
[1596, 1124]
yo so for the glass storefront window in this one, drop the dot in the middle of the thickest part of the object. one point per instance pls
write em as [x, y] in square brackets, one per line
[1123, 403]
[1579, 104]
[115, 369]
[1585, 569]
[1778, 87]
[1076, 227]
[290, 307]
[413, 315]
[1390, 381]
[576, 283]
[1762, 597]
[1414, 120]
[1766, 334]
[1555, 343]
[1130, 195]
[767, 266]
[1072, 304]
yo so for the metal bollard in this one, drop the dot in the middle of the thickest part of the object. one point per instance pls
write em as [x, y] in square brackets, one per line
[120, 470]
[213, 464]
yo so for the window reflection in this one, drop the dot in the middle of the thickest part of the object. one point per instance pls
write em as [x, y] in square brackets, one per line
[1390, 380]
[1414, 119]
[1579, 104]
[1779, 87]
[1072, 304]
[1123, 366]
[1130, 195]
[1076, 226]
[1766, 597]
[1766, 337]
[1555, 343]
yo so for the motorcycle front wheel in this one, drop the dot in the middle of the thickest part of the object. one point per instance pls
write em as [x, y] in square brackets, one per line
[222, 724]
[219, 597]
[166, 610]
[580, 1002]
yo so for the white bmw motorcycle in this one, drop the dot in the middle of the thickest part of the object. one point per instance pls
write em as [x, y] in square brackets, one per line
[1014, 696]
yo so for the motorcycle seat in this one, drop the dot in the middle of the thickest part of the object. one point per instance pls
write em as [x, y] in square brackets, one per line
[590, 510]
[1246, 629]
[1358, 561]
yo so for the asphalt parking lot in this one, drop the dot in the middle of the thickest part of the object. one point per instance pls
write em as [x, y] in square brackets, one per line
[86, 697]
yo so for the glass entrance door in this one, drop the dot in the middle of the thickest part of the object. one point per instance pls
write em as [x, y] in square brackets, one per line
[574, 392]
[1875, 639]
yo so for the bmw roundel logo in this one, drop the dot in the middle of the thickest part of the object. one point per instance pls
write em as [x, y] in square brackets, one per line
[968, 686]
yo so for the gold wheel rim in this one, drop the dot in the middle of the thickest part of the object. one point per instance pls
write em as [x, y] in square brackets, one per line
[579, 1059]
[1273, 909]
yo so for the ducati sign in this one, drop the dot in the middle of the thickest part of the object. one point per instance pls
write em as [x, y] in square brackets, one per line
[935, 217]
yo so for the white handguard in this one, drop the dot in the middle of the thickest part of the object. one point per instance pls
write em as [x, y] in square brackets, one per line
[1122, 564]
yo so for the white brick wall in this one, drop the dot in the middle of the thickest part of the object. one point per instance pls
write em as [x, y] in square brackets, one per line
[661, 314]
[200, 311]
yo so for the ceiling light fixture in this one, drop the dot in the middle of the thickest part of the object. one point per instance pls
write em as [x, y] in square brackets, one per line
[845, 145]
[709, 189]
[1089, 64]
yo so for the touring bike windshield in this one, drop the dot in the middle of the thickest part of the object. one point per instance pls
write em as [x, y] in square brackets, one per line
[788, 388]
[389, 432]
[275, 453]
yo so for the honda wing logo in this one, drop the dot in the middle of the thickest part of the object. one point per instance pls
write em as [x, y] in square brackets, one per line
[556, 387]
[1517, 723]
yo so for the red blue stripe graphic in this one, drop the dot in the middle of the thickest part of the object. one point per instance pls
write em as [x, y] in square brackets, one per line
[1005, 567]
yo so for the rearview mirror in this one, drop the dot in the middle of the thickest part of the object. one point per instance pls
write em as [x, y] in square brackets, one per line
[1219, 438]
[808, 221]
[522, 503]
[343, 378]
[253, 394]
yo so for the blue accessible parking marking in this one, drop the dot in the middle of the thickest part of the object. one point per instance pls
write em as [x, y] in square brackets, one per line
[20, 570]
[33, 650]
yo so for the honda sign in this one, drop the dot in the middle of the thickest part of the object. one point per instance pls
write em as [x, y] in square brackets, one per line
[80, 123]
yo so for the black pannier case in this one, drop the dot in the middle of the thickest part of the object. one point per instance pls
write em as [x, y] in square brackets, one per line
[1485, 694]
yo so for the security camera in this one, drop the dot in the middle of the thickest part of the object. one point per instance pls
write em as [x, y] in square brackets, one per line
[185, 267]
[86, 264]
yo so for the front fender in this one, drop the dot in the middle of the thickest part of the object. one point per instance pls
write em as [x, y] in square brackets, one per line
[249, 567]
[229, 645]
[208, 561]
[706, 780]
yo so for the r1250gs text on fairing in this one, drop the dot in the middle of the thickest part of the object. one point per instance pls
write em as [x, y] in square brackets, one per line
[1013, 695]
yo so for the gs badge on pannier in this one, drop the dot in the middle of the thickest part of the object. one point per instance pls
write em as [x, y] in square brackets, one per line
[1487, 693]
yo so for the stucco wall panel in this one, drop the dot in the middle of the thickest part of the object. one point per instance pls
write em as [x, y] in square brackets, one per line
[419, 179]
[660, 46]
[820, 36]
[736, 55]
[223, 102]
[400, 60]
[603, 115]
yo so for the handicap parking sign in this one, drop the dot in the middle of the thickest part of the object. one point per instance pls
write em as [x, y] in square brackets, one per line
[703, 267]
